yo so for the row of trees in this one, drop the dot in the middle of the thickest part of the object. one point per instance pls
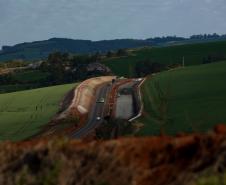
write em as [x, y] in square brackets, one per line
[175, 38]
[7, 79]
[13, 64]
[207, 36]
[215, 57]
[146, 67]
[58, 68]
[119, 53]
[63, 68]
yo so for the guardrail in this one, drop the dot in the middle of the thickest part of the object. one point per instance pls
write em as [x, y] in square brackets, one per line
[139, 101]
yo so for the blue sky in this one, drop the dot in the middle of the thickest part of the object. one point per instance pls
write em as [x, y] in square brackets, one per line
[29, 20]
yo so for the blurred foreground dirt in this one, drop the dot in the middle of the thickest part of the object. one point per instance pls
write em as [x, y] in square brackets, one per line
[137, 161]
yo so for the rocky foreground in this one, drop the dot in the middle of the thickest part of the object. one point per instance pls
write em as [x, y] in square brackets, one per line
[136, 161]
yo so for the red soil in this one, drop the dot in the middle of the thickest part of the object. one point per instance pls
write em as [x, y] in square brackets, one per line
[141, 161]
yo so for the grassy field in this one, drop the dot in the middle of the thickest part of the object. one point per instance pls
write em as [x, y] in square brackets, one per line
[193, 54]
[22, 114]
[189, 99]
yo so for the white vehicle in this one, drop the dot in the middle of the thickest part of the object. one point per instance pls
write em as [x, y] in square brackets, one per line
[138, 79]
[101, 100]
[98, 118]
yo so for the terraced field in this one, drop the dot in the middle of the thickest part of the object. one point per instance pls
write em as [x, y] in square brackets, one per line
[22, 114]
[184, 100]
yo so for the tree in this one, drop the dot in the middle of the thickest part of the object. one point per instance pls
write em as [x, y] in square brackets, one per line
[146, 67]
[110, 54]
[96, 57]
[56, 67]
[122, 52]
[111, 129]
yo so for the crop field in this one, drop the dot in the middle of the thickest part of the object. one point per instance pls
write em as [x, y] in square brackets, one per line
[192, 53]
[22, 114]
[184, 100]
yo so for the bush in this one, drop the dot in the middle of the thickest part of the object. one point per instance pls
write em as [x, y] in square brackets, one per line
[111, 129]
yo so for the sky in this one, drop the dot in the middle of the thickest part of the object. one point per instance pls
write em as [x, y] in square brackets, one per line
[31, 20]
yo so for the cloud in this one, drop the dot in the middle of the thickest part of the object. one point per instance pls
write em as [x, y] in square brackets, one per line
[28, 20]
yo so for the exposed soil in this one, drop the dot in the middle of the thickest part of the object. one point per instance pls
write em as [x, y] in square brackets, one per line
[136, 161]
[69, 118]
[66, 102]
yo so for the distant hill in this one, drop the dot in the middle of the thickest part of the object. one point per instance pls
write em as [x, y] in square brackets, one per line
[41, 49]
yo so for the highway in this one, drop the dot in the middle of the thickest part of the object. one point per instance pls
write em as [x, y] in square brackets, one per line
[125, 102]
[124, 107]
[96, 111]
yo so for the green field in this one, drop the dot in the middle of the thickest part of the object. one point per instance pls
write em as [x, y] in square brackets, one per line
[22, 114]
[193, 54]
[194, 99]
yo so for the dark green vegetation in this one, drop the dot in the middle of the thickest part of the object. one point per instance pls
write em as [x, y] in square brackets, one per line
[193, 54]
[112, 129]
[59, 68]
[22, 80]
[185, 99]
[212, 179]
[41, 49]
[13, 64]
[22, 114]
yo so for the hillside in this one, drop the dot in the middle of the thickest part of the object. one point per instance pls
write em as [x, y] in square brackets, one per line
[22, 114]
[192, 53]
[185, 99]
[41, 49]
[195, 159]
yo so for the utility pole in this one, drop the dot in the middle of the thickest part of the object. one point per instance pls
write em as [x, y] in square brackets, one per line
[183, 61]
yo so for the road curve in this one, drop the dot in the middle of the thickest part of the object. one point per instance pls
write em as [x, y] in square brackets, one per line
[96, 111]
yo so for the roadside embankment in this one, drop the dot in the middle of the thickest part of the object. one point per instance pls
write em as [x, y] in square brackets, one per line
[75, 107]
[84, 96]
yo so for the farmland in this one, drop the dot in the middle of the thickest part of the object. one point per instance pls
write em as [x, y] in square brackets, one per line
[192, 53]
[186, 99]
[22, 114]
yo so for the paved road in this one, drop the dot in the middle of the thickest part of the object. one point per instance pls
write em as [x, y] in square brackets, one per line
[96, 111]
[99, 108]
[125, 102]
